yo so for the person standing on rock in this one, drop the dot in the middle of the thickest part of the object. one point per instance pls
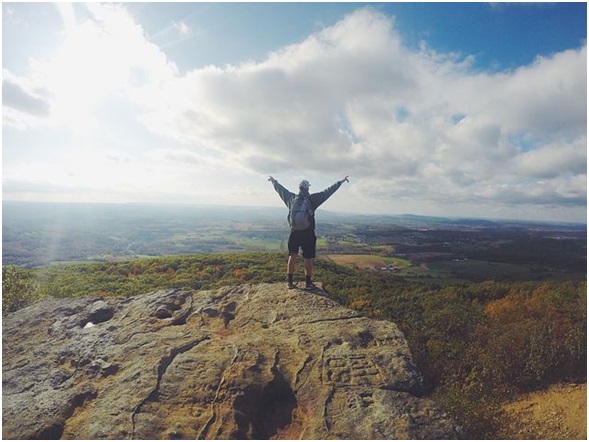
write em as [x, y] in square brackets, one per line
[301, 218]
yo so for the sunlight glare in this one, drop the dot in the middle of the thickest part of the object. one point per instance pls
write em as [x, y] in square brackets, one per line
[92, 65]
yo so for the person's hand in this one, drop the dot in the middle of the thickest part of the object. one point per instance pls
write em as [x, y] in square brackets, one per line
[271, 179]
[346, 179]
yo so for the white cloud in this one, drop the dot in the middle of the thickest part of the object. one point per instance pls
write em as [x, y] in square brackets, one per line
[104, 56]
[182, 28]
[24, 103]
[553, 160]
[545, 99]
[352, 99]
[414, 126]
[188, 158]
[68, 16]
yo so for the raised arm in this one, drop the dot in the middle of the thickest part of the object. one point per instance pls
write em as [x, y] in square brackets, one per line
[286, 195]
[319, 198]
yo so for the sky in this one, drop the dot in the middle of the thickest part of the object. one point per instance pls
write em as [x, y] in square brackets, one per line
[444, 109]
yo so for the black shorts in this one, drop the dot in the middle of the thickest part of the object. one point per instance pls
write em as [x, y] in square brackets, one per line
[305, 239]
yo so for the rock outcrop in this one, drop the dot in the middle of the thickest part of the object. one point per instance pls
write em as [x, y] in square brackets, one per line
[249, 362]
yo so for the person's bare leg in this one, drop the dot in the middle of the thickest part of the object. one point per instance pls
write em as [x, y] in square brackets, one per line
[308, 270]
[308, 267]
[290, 269]
[292, 262]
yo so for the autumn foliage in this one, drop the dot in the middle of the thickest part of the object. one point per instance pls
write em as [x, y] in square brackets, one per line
[539, 334]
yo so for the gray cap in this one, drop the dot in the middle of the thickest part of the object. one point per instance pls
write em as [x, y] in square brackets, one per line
[304, 185]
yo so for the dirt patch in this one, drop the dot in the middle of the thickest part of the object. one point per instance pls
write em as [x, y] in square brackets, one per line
[369, 262]
[560, 412]
[362, 262]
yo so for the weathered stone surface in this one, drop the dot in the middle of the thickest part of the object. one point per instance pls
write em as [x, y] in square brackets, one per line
[255, 361]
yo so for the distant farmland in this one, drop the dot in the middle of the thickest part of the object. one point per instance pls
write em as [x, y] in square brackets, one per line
[369, 262]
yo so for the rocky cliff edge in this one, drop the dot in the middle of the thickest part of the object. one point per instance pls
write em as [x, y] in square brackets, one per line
[249, 362]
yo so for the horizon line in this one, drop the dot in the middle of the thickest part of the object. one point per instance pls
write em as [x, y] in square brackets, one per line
[349, 214]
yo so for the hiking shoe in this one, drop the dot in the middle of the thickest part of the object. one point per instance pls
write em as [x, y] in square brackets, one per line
[290, 285]
[311, 286]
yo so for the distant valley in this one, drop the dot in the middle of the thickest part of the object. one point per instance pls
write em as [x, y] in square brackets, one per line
[415, 247]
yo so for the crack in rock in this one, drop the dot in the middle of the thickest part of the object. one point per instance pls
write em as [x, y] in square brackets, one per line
[163, 365]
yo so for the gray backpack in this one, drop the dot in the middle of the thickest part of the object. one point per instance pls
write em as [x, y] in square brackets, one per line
[301, 213]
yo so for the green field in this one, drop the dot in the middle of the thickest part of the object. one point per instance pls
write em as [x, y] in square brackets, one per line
[477, 270]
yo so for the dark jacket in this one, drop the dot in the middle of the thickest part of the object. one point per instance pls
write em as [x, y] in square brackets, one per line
[316, 198]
